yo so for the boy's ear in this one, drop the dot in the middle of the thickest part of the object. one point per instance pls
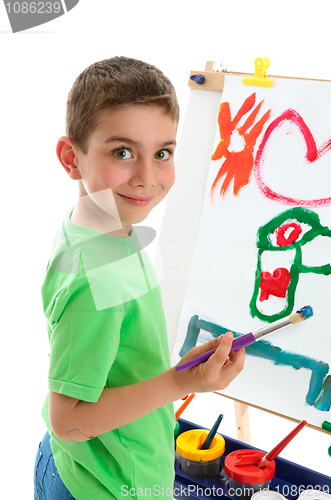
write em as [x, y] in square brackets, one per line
[65, 151]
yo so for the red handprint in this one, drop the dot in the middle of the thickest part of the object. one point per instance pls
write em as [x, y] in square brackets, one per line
[238, 165]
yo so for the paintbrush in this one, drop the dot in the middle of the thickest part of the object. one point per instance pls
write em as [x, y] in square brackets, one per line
[184, 405]
[209, 439]
[269, 457]
[249, 338]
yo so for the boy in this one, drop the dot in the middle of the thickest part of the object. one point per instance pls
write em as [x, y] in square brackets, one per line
[109, 412]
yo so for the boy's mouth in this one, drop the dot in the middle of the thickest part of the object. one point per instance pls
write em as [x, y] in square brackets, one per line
[137, 201]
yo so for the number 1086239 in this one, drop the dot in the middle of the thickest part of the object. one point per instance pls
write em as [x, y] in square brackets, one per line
[33, 7]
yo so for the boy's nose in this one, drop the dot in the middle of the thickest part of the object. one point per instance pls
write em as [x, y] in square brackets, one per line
[144, 174]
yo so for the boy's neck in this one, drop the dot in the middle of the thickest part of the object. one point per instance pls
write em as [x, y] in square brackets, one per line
[86, 213]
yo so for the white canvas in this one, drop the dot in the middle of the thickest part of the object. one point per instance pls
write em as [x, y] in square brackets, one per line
[224, 268]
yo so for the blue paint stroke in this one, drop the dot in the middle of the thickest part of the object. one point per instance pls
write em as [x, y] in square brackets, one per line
[319, 369]
[324, 401]
[193, 330]
[266, 350]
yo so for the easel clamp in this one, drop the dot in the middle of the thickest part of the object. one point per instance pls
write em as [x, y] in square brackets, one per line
[260, 76]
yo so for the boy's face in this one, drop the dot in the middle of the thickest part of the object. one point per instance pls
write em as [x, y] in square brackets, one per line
[130, 158]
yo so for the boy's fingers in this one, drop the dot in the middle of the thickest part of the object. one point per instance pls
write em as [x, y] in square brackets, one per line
[224, 337]
[239, 358]
[197, 350]
[222, 353]
[211, 344]
[235, 366]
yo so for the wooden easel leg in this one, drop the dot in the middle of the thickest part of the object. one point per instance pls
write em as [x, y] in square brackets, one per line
[242, 422]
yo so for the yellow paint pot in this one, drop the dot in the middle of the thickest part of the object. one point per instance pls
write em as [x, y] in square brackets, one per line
[196, 462]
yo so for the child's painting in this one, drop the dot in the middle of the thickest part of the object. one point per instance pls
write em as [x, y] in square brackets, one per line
[264, 244]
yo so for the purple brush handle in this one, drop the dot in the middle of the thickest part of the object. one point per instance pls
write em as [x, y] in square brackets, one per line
[238, 343]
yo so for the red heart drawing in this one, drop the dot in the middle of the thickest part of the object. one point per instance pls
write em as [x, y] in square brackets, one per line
[274, 284]
[312, 154]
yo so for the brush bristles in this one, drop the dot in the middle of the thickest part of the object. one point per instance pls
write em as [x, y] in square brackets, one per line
[301, 315]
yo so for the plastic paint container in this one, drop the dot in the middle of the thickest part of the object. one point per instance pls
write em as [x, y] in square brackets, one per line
[244, 477]
[314, 495]
[268, 495]
[196, 462]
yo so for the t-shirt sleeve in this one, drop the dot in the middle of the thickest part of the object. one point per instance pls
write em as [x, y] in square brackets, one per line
[84, 341]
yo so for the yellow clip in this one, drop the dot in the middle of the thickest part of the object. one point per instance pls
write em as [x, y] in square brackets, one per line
[259, 79]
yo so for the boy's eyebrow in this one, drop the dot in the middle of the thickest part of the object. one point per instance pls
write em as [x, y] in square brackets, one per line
[130, 141]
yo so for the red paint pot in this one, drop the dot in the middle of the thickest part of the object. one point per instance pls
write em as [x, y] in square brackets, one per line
[244, 477]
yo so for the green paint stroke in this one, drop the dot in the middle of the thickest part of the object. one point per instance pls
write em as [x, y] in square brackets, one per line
[263, 243]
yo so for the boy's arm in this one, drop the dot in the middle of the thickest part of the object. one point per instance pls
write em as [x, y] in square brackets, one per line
[75, 420]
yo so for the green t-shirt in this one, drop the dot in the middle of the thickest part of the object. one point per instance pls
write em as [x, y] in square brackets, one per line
[106, 328]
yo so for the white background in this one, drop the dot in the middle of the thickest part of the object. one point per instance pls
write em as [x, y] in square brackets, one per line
[38, 68]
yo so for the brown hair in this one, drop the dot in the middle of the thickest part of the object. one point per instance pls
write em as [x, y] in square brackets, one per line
[113, 83]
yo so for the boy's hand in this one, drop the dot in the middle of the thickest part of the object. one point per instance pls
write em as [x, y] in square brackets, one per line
[217, 372]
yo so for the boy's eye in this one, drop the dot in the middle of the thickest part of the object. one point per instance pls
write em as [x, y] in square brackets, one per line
[123, 153]
[163, 154]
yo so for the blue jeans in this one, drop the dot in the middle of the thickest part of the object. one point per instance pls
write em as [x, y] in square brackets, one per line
[47, 482]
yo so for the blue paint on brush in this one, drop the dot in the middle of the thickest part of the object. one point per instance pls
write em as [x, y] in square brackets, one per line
[305, 312]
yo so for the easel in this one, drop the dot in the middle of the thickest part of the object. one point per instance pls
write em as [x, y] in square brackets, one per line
[211, 79]
[242, 422]
[214, 79]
